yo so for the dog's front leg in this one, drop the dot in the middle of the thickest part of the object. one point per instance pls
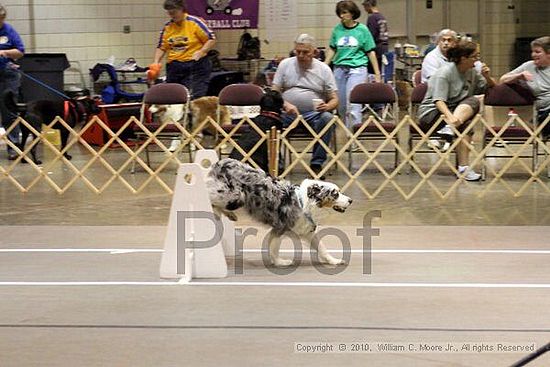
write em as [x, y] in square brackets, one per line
[64, 139]
[274, 244]
[323, 254]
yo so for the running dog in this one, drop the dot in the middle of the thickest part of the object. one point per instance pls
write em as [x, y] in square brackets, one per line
[278, 203]
[40, 112]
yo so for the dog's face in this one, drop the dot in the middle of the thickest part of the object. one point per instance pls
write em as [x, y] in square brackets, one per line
[157, 108]
[167, 113]
[326, 195]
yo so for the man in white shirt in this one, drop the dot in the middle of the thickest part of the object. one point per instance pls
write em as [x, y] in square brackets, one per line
[437, 58]
[301, 80]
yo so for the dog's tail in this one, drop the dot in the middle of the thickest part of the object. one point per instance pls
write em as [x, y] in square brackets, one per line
[10, 101]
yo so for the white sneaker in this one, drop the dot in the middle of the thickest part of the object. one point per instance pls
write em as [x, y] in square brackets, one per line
[446, 130]
[469, 174]
[2, 131]
[434, 144]
[174, 144]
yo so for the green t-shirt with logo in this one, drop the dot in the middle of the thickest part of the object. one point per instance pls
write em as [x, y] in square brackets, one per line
[351, 45]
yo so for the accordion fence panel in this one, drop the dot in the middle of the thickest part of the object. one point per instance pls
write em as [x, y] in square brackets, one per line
[98, 168]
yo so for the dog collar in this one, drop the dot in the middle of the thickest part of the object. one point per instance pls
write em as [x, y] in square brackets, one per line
[271, 114]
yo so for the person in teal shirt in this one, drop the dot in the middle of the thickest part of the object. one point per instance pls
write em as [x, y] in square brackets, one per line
[353, 47]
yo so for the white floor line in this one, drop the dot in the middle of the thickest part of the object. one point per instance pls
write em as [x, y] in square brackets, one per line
[82, 250]
[411, 251]
[374, 285]
[83, 284]
[284, 284]
[353, 251]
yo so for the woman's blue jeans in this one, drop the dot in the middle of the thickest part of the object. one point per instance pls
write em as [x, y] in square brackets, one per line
[346, 79]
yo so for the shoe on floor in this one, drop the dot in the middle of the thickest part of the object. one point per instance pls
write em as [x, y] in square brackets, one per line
[434, 144]
[174, 144]
[316, 168]
[12, 156]
[447, 131]
[469, 174]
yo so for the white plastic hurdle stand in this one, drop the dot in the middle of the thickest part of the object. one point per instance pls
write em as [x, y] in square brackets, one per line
[190, 195]
[205, 158]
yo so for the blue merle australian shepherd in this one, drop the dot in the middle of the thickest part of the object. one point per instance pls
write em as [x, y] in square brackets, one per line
[278, 203]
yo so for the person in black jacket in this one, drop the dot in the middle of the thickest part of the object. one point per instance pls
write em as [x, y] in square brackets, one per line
[378, 27]
[271, 106]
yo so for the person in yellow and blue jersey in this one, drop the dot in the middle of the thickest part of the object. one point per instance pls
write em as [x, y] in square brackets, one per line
[185, 40]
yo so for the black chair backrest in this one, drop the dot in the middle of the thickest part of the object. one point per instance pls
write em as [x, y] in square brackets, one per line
[418, 93]
[512, 94]
[368, 93]
[166, 93]
[241, 95]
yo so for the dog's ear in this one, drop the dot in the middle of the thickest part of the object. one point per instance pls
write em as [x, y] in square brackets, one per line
[314, 193]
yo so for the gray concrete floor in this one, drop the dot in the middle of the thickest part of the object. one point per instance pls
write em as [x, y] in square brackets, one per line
[105, 308]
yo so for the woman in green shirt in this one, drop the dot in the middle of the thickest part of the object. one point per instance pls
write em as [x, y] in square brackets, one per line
[353, 48]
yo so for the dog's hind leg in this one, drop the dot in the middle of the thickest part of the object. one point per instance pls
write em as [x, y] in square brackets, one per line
[274, 244]
[322, 253]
